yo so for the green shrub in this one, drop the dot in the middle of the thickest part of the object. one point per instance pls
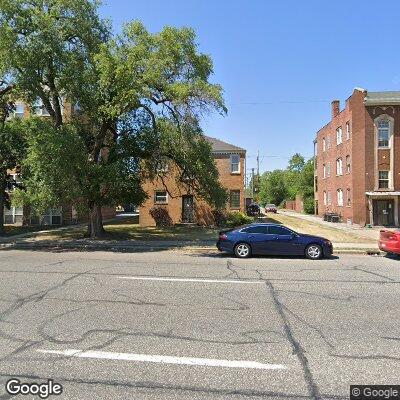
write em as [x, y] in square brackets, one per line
[238, 218]
[161, 216]
[308, 205]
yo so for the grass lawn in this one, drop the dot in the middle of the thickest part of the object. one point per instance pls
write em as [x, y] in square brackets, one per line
[312, 228]
[129, 229]
[11, 230]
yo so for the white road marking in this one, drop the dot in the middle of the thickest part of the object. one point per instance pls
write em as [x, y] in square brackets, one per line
[151, 278]
[207, 362]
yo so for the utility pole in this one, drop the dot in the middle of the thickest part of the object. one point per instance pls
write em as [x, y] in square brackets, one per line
[258, 163]
[258, 174]
[252, 183]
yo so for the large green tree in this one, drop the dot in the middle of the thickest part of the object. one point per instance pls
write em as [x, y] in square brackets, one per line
[12, 148]
[140, 98]
[272, 187]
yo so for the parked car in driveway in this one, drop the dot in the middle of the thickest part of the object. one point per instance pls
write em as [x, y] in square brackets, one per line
[272, 239]
[253, 209]
[389, 241]
[272, 208]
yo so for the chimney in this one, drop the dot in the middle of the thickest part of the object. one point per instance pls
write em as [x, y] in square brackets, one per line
[335, 108]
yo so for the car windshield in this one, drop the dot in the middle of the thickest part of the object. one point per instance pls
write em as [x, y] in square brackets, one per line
[270, 205]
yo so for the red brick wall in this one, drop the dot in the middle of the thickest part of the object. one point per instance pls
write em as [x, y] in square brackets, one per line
[333, 182]
[203, 214]
[362, 149]
[295, 205]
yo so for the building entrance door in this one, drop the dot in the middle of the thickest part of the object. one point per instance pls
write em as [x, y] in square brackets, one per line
[187, 209]
[383, 212]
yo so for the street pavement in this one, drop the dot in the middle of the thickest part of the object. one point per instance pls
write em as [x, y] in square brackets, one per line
[197, 325]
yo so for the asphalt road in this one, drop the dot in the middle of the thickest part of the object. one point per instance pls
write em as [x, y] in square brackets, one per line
[168, 325]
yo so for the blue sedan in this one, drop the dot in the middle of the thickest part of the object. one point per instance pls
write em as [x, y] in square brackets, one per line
[272, 239]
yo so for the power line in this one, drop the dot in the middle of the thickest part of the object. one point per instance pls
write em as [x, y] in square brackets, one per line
[253, 103]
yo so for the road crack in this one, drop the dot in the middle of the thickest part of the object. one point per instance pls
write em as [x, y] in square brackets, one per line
[298, 349]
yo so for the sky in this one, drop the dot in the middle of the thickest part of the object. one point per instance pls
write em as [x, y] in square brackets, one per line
[281, 63]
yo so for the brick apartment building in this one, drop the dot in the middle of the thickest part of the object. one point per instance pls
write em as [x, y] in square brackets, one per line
[357, 153]
[185, 207]
[52, 216]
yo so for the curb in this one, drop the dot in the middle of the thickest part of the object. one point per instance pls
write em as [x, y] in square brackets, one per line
[141, 247]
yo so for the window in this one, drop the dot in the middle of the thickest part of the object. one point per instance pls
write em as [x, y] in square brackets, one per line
[329, 198]
[39, 108]
[383, 179]
[339, 193]
[339, 166]
[328, 142]
[383, 133]
[347, 130]
[19, 110]
[162, 166]
[328, 169]
[324, 171]
[234, 199]
[13, 181]
[339, 135]
[348, 166]
[51, 216]
[323, 144]
[325, 199]
[13, 215]
[278, 230]
[235, 164]
[256, 229]
[348, 197]
[160, 197]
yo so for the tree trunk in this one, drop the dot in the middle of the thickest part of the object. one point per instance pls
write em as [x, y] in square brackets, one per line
[3, 183]
[95, 225]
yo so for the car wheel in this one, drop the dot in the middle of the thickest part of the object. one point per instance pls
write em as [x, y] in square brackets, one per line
[242, 250]
[314, 252]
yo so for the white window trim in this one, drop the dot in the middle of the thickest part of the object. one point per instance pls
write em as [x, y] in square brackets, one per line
[232, 163]
[348, 130]
[348, 165]
[339, 195]
[339, 167]
[161, 202]
[390, 148]
[339, 135]
[348, 197]
[389, 131]
[388, 179]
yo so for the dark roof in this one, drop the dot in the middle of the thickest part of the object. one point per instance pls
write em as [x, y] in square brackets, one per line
[218, 146]
[376, 98]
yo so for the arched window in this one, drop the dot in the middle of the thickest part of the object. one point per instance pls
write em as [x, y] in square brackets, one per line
[383, 133]
[339, 166]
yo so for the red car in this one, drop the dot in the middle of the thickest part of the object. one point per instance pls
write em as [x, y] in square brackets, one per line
[389, 241]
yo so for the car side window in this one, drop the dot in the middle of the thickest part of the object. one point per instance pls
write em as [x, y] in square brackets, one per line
[278, 230]
[256, 229]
